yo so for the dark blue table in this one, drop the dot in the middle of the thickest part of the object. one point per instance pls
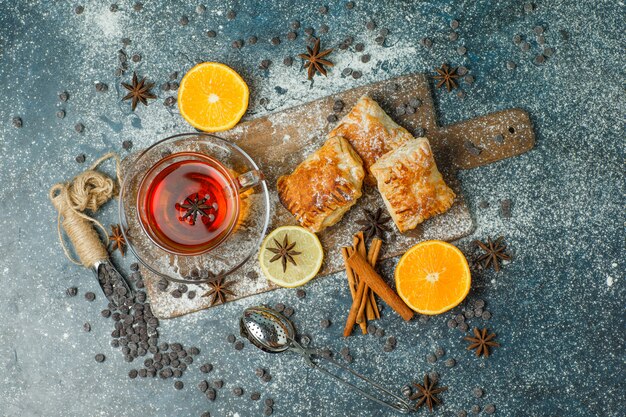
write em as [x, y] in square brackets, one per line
[558, 307]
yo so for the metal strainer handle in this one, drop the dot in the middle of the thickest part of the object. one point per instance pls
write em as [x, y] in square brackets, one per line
[313, 358]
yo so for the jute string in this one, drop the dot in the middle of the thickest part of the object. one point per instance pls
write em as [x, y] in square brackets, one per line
[87, 191]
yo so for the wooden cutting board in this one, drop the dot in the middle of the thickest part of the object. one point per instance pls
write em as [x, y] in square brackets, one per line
[280, 141]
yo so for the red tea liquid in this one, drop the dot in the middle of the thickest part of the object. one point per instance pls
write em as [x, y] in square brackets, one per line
[190, 206]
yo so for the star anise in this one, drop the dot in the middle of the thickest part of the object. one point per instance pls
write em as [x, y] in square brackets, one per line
[195, 206]
[139, 91]
[218, 289]
[373, 223]
[481, 342]
[284, 252]
[425, 394]
[315, 61]
[446, 75]
[118, 241]
[495, 252]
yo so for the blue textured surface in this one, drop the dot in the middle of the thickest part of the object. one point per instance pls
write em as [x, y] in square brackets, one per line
[558, 308]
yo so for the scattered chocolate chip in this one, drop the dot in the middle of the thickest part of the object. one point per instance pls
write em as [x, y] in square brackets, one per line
[370, 25]
[113, 8]
[206, 368]
[548, 52]
[478, 392]
[356, 74]
[350, 5]
[71, 291]
[539, 59]
[295, 25]
[267, 411]
[461, 413]
[288, 311]
[427, 42]
[265, 64]
[211, 33]
[238, 391]
[309, 31]
[136, 57]
[365, 58]
[453, 36]
[279, 307]
[431, 358]
[210, 394]
[476, 409]
[163, 284]
[100, 358]
[505, 208]
[380, 40]
[359, 47]
[463, 327]
[528, 7]
[524, 46]
[184, 21]
[541, 40]
[89, 296]
[231, 338]
[325, 324]
[454, 24]
[79, 9]
[461, 50]
[275, 40]
[538, 30]
[200, 9]
[510, 65]
[288, 61]
[176, 294]
[332, 118]
[346, 72]
[450, 362]
[237, 44]
[231, 14]
[238, 345]
[490, 409]
[300, 293]
[79, 127]
[323, 29]
[266, 377]
[517, 39]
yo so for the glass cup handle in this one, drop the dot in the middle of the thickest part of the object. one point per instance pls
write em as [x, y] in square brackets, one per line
[249, 179]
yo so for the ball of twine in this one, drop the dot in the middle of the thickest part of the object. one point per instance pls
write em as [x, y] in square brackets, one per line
[88, 191]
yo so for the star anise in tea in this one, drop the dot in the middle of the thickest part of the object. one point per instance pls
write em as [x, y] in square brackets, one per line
[195, 206]
[218, 289]
[374, 223]
[481, 342]
[285, 252]
[425, 394]
[139, 91]
[494, 253]
[315, 61]
[117, 239]
[447, 76]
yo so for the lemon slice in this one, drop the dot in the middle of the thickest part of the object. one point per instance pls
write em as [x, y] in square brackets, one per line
[304, 248]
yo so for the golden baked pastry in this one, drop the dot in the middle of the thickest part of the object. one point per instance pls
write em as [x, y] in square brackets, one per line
[324, 186]
[411, 185]
[371, 132]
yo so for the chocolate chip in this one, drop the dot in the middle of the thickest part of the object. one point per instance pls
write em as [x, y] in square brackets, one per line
[231, 338]
[476, 409]
[461, 50]
[359, 47]
[490, 409]
[356, 74]
[268, 402]
[461, 413]
[265, 64]
[71, 291]
[136, 57]
[210, 394]
[346, 71]
[409, 110]
[206, 368]
[163, 284]
[370, 25]
[237, 44]
[548, 52]
[528, 7]
[113, 8]
[538, 30]
[469, 314]
[479, 303]
[288, 311]
[288, 61]
[275, 40]
[309, 31]
[350, 5]
[61, 114]
[431, 358]
[524, 46]
[89, 296]
[178, 385]
[517, 39]
[267, 411]
[454, 24]
[231, 14]
[295, 25]
[453, 36]
[100, 358]
[420, 132]
[477, 392]
[259, 372]
[266, 378]
[331, 118]
[200, 9]
[79, 127]
[325, 324]
[505, 208]
[211, 33]
[510, 65]
[176, 294]
[323, 29]
[414, 102]
[539, 59]
[380, 332]
[79, 9]
[388, 348]
[365, 58]
[184, 21]
[300, 293]
[238, 391]
[380, 40]
[238, 345]
[218, 383]
[292, 35]
[64, 96]
[439, 352]
[486, 315]
[463, 327]
[255, 396]
[427, 42]
[541, 40]
[87, 327]
[450, 362]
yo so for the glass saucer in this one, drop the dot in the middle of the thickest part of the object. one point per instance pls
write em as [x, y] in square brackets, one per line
[229, 255]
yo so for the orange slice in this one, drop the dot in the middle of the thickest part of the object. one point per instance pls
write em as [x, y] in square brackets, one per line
[432, 277]
[212, 97]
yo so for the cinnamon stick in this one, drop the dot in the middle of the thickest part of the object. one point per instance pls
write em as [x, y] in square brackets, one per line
[345, 253]
[372, 258]
[368, 275]
[358, 245]
[354, 310]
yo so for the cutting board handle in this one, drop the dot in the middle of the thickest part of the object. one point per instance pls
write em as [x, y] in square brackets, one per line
[488, 138]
